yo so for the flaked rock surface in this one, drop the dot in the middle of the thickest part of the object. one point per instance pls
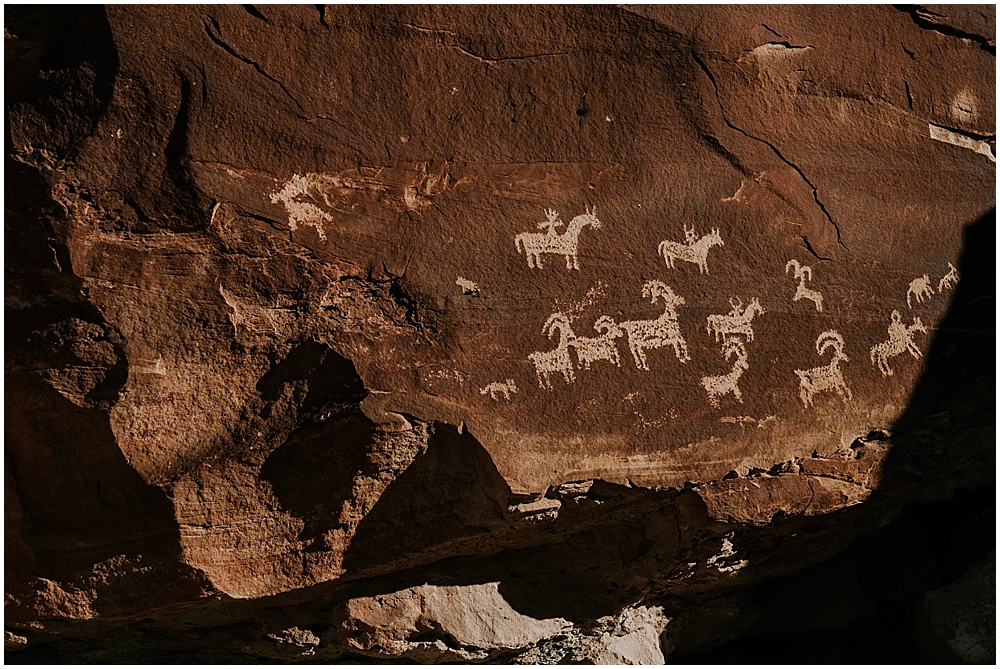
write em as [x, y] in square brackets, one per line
[481, 333]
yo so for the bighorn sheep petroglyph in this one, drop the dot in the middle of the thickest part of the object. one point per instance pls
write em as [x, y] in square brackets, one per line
[819, 379]
[801, 272]
[602, 347]
[716, 386]
[662, 331]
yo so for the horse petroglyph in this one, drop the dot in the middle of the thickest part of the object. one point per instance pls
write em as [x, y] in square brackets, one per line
[949, 280]
[900, 340]
[603, 347]
[662, 331]
[716, 386]
[919, 288]
[801, 272]
[692, 250]
[819, 379]
[498, 388]
[737, 322]
[557, 360]
[534, 244]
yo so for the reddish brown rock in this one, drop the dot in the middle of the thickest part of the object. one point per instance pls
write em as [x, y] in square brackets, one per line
[616, 310]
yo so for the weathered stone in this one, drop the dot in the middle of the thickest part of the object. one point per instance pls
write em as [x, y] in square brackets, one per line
[554, 316]
[957, 623]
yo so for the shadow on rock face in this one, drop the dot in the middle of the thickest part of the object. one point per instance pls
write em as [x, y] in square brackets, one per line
[452, 491]
[328, 454]
[313, 472]
[71, 492]
[951, 413]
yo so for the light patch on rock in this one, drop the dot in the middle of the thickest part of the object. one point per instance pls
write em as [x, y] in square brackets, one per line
[727, 551]
[949, 280]
[920, 288]
[801, 272]
[296, 641]
[949, 137]
[900, 340]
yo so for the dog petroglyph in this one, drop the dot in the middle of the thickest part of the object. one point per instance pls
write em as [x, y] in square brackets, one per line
[919, 288]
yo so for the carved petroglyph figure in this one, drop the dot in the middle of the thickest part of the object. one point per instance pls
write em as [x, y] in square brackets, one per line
[737, 322]
[302, 213]
[801, 273]
[900, 340]
[819, 379]
[949, 280]
[497, 388]
[662, 331]
[603, 347]
[716, 386]
[692, 250]
[919, 288]
[534, 244]
[558, 359]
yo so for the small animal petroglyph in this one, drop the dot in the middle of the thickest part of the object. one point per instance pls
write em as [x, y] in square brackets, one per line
[819, 379]
[662, 331]
[558, 359]
[716, 386]
[949, 280]
[534, 244]
[900, 340]
[919, 288]
[468, 287]
[692, 250]
[497, 388]
[737, 322]
[603, 347]
[801, 272]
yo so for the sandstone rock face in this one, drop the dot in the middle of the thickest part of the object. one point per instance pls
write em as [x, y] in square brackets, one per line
[481, 333]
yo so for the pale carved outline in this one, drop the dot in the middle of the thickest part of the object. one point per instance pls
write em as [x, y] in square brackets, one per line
[900, 340]
[828, 378]
[801, 292]
[693, 250]
[534, 244]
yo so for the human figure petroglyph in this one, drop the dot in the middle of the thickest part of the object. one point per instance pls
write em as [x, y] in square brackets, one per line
[900, 340]
[949, 280]
[819, 379]
[603, 347]
[737, 322]
[558, 359]
[660, 332]
[801, 272]
[498, 388]
[919, 288]
[534, 244]
[692, 250]
[716, 386]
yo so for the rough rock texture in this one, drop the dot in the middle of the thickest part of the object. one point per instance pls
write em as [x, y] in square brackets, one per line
[959, 621]
[475, 333]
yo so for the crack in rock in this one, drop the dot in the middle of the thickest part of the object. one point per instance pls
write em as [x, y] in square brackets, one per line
[928, 20]
[774, 149]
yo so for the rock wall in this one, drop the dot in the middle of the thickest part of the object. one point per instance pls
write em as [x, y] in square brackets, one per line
[340, 331]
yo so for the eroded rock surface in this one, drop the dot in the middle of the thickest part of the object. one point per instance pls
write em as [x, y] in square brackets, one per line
[477, 333]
